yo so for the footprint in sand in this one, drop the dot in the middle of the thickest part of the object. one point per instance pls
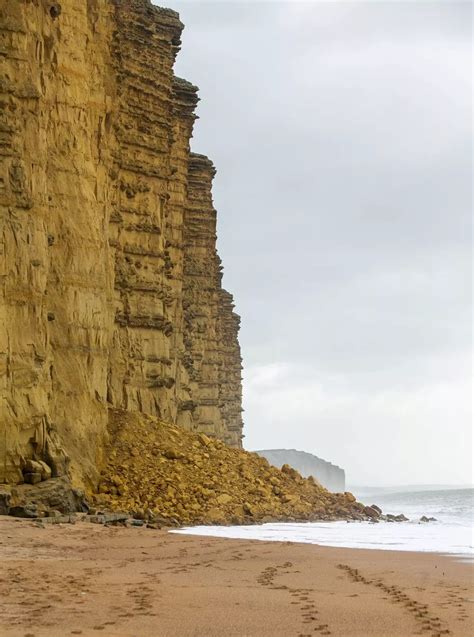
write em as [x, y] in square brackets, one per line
[428, 621]
[309, 612]
[323, 629]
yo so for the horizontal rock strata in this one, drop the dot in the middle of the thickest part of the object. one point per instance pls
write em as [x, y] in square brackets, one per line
[111, 286]
[211, 327]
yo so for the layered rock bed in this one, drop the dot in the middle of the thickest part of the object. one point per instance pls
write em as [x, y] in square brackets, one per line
[157, 471]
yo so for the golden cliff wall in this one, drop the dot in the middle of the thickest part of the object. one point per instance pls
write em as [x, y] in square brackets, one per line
[211, 328]
[106, 224]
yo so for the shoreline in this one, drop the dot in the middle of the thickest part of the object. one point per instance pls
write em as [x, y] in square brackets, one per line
[455, 557]
[409, 536]
[87, 579]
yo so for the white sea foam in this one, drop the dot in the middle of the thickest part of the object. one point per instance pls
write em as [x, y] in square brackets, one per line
[451, 534]
[399, 536]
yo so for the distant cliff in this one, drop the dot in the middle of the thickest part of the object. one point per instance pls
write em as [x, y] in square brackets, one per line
[329, 475]
[111, 291]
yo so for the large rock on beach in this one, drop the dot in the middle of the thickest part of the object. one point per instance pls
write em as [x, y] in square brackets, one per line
[55, 494]
[372, 512]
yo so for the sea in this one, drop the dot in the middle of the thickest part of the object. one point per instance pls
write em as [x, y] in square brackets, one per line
[452, 533]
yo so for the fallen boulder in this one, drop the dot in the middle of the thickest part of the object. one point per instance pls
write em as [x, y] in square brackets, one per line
[109, 518]
[25, 511]
[54, 494]
[371, 512]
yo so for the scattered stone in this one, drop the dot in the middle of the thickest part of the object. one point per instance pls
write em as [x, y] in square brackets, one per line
[291, 498]
[249, 509]
[137, 523]
[172, 454]
[32, 478]
[216, 516]
[371, 512]
[32, 466]
[224, 498]
[5, 497]
[61, 519]
[24, 511]
[46, 472]
[35, 471]
[424, 518]
[159, 521]
[53, 513]
[290, 471]
[108, 518]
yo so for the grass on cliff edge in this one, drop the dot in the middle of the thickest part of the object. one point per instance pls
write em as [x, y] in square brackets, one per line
[158, 470]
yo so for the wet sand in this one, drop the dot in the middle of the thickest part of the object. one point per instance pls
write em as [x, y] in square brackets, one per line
[86, 579]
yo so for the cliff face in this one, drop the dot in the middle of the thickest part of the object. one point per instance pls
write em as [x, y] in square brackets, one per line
[212, 355]
[327, 474]
[111, 285]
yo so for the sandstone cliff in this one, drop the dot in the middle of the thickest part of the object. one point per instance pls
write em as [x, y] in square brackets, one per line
[111, 290]
[330, 476]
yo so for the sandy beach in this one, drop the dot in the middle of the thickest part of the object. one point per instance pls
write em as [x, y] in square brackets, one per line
[87, 579]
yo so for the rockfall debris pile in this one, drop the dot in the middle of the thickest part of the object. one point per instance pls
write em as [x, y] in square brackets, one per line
[157, 471]
[161, 475]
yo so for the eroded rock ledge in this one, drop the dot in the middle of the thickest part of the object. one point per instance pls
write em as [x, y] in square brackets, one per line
[111, 290]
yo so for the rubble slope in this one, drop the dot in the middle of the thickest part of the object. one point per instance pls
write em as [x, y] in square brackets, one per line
[158, 470]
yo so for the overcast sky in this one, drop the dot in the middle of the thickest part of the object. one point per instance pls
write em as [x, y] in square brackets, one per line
[342, 137]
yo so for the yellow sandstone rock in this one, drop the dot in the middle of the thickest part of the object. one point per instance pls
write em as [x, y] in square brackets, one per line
[111, 284]
[203, 484]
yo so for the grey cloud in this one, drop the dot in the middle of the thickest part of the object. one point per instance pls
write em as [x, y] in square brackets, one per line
[342, 136]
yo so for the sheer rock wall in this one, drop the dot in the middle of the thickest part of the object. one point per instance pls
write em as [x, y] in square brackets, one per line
[211, 328]
[106, 224]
